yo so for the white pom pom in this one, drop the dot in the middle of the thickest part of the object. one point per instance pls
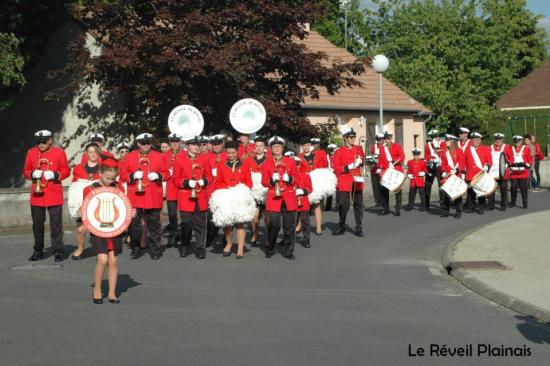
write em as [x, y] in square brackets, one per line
[232, 205]
[324, 184]
[74, 199]
[259, 192]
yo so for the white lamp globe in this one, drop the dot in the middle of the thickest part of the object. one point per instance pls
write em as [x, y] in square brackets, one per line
[380, 63]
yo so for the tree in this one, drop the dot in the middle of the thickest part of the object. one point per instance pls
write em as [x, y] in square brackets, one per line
[162, 53]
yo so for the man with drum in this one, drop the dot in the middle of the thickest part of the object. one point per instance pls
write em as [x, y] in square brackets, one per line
[373, 164]
[432, 154]
[520, 162]
[464, 142]
[314, 158]
[477, 159]
[348, 161]
[279, 175]
[97, 138]
[174, 153]
[453, 164]
[391, 157]
[255, 163]
[215, 156]
[416, 172]
[499, 151]
[46, 166]
[192, 175]
[144, 170]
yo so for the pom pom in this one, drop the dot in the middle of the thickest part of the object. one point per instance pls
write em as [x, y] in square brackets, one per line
[324, 184]
[259, 192]
[75, 196]
[232, 206]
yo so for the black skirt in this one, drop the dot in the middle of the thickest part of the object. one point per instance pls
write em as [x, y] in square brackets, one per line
[102, 245]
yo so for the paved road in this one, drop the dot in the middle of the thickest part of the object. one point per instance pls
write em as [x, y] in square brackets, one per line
[345, 301]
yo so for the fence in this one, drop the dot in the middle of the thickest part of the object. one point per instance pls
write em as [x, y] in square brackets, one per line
[537, 125]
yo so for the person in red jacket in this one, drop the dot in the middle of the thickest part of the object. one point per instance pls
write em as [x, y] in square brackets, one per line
[372, 162]
[391, 156]
[303, 189]
[255, 163]
[432, 155]
[279, 176]
[98, 139]
[497, 149]
[192, 175]
[246, 148]
[520, 161]
[233, 171]
[464, 142]
[144, 170]
[535, 171]
[348, 161]
[453, 163]
[416, 172]
[314, 158]
[214, 156]
[46, 165]
[174, 152]
[477, 158]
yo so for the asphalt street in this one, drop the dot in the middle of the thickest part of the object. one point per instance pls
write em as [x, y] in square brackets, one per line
[344, 301]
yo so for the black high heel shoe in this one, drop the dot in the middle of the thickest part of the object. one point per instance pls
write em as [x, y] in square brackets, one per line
[98, 301]
[114, 301]
[226, 254]
[76, 257]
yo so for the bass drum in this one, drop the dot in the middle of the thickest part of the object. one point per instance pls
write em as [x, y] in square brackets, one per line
[483, 184]
[502, 164]
[393, 180]
[454, 187]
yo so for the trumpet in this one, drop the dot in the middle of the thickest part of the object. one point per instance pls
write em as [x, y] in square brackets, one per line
[41, 183]
[143, 163]
[196, 168]
[280, 167]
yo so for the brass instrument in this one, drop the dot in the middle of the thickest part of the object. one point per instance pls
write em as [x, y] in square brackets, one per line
[40, 184]
[280, 167]
[143, 163]
[196, 168]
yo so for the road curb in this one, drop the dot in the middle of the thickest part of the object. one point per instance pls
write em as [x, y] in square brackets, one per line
[468, 279]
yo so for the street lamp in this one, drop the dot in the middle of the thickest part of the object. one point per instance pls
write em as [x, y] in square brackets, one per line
[363, 121]
[380, 63]
[344, 5]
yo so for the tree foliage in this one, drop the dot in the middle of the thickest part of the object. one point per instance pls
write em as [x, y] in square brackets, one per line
[162, 53]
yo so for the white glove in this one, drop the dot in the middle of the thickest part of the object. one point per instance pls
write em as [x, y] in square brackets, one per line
[192, 183]
[378, 171]
[171, 171]
[286, 178]
[37, 174]
[410, 176]
[463, 176]
[117, 179]
[485, 168]
[48, 175]
[357, 161]
[351, 166]
[214, 172]
[299, 192]
[275, 177]
[422, 174]
[153, 176]
[138, 175]
[443, 174]
[200, 182]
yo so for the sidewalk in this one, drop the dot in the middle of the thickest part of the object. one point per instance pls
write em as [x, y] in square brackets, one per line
[522, 245]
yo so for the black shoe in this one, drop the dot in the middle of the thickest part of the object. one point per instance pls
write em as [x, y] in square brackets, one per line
[114, 301]
[340, 231]
[468, 210]
[269, 253]
[97, 301]
[183, 252]
[306, 244]
[136, 252]
[318, 234]
[38, 254]
[76, 257]
[253, 243]
[421, 209]
[226, 254]
[397, 213]
[58, 257]
[290, 257]
[171, 241]
[383, 213]
[490, 208]
[239, 256]
[503, 208]
[359, 232]
[479, 211]
[444, 214]
[408, 207]
[200, 254]
[524, 207]
[458, 215]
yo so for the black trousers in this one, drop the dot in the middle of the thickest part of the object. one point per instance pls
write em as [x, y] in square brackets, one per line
[172, 207]
[446, 203]
[470, 198]
[375, 182]
[151, 216]
[194, 221]
[503, 188]
[385, 198]
[328, 203]
[428, 187]
[274, 226]
[536, 173]
[344, 201]
[211, 229]
[38, 214]
[305, 228]
[412, 196]
[523, 186]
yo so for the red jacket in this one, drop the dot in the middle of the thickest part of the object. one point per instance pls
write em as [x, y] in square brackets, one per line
[485, 159]
[375, 150]
[249, 150]
[457, 166]
[152, 197]
[79, 172]
[231, 174]
[397, 157]
[214, 159]
[186, 170]
[515, 156]
[52, 193]
[303, 181]
[288, 194]
[318, 160]
[538, 152]
[342, 157]
[256, 165]
[415, 167]
[102, 155]
[430, 150]
[171, 189]
[464, 145]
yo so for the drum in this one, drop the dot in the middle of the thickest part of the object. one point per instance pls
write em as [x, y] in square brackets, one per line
[483, 184]
[502, 166]
[393, 180]
[106, 212]
[454, 187]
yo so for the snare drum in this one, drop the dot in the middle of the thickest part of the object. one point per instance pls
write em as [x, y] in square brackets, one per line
[454, 187]
[483, 184]
[393, 180]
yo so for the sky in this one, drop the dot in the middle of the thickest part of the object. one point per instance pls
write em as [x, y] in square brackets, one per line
[541, 7]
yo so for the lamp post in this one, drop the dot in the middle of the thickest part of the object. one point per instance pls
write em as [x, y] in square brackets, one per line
[344, 5]
[363, 122]
[380, 64]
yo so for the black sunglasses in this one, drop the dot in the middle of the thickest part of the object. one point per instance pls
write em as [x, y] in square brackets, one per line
[144, 142]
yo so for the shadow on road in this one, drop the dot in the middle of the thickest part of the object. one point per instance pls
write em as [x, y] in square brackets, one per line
[533, 330]
[124, 283]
